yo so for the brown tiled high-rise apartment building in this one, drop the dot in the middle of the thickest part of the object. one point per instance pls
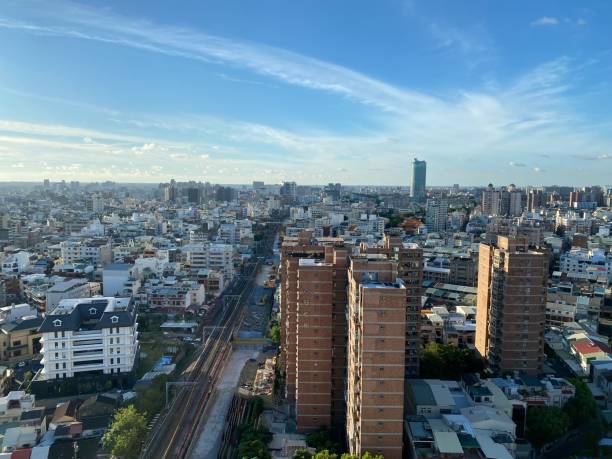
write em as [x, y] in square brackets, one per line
[376, 356]
[314, 358]
[409, 258]
[313, 290]
[511, 309]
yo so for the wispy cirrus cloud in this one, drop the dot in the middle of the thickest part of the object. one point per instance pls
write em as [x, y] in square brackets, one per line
[529, 113]
[545, 21]
[79, 22]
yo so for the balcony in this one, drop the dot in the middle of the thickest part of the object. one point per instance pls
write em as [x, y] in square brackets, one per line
[87, 332]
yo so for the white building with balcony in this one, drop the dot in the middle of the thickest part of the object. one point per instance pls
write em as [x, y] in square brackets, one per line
[89, 336]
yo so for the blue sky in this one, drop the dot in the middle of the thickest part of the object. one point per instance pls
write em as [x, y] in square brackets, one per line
[312, 91]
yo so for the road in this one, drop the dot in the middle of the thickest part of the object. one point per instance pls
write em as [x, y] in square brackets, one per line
[173, 434]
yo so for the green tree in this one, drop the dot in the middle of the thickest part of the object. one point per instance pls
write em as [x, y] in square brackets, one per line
[581, 408]
[321, 440]
[368, 455]
[27, 377]
[253, 449]
[127, 432]
[325, 454]
[545, 424]
[302, 454]
[274, 332]
[446, 361]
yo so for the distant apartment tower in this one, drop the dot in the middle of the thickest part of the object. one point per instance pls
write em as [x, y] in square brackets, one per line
[436, 216]
[194, 195]
[288, 192]
[258, 186]
[502, 202]
[376, 356]
[535, 199]
[170, 191]
[419, 174]
[95, 203]
[511, 310]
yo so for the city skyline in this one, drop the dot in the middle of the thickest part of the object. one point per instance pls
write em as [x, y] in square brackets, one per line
[110, 91]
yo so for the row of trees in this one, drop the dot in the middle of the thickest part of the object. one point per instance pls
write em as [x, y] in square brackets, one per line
[326, 448]
[325, 454]
[548, 423]
[252, 439]
[445, 361]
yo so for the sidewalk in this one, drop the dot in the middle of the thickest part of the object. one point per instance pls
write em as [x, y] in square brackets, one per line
[211, 431]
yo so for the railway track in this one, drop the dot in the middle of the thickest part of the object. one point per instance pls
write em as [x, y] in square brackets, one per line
[173, 433]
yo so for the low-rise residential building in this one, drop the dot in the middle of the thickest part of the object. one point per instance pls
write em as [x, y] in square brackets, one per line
[72, 288]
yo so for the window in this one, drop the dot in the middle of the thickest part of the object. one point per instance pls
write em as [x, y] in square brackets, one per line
[55, 334]
[114, 320]
[57, 323]
[112, 361]
[64, 365]
[63, 334]
[57, 355]
[118, 360]
[92, 311]
[57, 366]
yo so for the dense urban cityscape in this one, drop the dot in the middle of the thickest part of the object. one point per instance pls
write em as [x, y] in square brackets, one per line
[187, 320]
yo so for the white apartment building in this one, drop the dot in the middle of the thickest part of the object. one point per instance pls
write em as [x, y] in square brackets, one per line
[96, 251]
[221, 258]
[437, 215]
[586, 264]
[15, 263]
[228, 234]
[89, 336]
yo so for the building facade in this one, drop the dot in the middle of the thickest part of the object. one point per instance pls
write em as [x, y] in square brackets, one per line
[376, 357]
[511, 311]
[89, 336]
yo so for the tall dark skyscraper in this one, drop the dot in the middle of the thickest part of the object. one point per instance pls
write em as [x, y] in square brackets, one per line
[419, 173]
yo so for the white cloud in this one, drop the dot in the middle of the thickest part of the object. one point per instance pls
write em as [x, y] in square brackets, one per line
[18, 165]
[545, 21]
[87, 140]
[205, 156]
[517, 164]
[146, 148]
[581, 22]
